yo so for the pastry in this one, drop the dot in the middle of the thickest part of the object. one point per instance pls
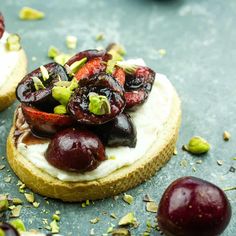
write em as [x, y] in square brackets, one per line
[92, 128]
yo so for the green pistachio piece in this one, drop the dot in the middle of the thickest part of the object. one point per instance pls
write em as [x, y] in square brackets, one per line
[127, 219]
[61, 94]
[60, 109]
[37, 83]
[16, 201]
[27, 13]
[4, 204]
[128, 68]
[18, 224]
[116, 57]
[74, 84]
[62, 58]
[71, 42]
[99, 104]
[2, 232]
[13, 42]
[44, 73]
[197, 145]
[100, 37]
[54, 227]
[53, 52]
[76, 66]
[120, 232]
[56, 217]
[128, 198]
[29, 197]
[118, 48]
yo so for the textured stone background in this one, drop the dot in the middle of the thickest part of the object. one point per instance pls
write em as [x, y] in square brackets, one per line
[199, 38]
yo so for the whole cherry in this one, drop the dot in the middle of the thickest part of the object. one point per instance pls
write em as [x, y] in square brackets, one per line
[193, 207]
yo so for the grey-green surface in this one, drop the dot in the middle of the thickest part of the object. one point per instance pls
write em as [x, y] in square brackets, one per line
[199, 37]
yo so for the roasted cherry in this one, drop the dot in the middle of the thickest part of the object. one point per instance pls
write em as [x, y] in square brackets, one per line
[8, 230]
[45, 124]
[103, 85]
[192, 207]
[118, 132]
[2, 25]
[89, 54]
[138, 86]
[75, 150]
[42, 98]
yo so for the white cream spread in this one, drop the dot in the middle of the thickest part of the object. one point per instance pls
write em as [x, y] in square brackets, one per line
[8, 60]
[148, 119]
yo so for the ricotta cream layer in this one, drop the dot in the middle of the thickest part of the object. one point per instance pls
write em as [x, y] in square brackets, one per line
[149, 119]
[8, 60]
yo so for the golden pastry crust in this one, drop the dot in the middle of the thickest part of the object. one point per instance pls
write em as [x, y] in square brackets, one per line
[119, 181]
[7, 90]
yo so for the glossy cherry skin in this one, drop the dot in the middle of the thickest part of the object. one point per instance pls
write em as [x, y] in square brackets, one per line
[2, 25]
[193, 207]
[118, 132]
[75, 150]
[42, 99]
[45, 124]
[8, 230]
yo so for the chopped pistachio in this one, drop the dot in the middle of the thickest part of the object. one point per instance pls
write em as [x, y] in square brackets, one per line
[234, 158]
[116, 47]
[127, 219]
[99, 104]
[183, 163]
[76, 66]
[152, 207]
[116, 57]
[198, 145]
[175, 151]
[54, 227]
[83, 205]
[7, 179]
[62, 58]
[53, 52]
[37, 83]
[71, 42]
[95, 220]
[27, 13]
[229, 188]
[147, 198]
[15, 212]
[110, 229]
[16, 201]
[13, 42]
[36, 204]
[60, 109]
[162, 52]
[29, 197]
[2, 167]
[128, 68]
[18, 224]
[113, 215]
[44, 72]
[226, 136]
[56, 217]
[57, 212]
[128, 198]
[100, 37]
[61, 94]
[87, 202]
[220, 162]
[21, 187]
[120, 232]
[3, 204]
[2, 233]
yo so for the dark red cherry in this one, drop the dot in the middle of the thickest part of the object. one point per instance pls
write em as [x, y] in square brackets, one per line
[42, 98]
[75, 150]
[45, 124]
[101, 84]
[89, 54]
[118, 132]
[2, 25]
[192, 207]
[138, 86]
[8, 230]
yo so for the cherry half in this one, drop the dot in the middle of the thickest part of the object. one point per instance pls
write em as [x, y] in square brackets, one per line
[75, 150]
[192, 207]
[8, 230]
[2, 25]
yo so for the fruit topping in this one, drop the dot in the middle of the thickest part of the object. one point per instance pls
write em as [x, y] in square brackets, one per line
[36, 87]
[75, 150]
[97, 100]
[8, 230]
[2, 25]
[138, 84]
[118, 132]
[43, 123]
[192, 206]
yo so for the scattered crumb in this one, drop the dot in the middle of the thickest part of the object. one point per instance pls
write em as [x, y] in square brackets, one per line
[226, 136]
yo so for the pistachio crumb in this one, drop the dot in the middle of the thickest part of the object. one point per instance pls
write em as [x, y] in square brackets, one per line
[28, 13]
[54, 227]
[2, 167]
[15, 212]
[29, 197]
[36, 204]
[95, 220]
[147, 198]
[220, 162]
[120, 232]
[113, 215]
[44, 72]
[175, 151]
[4, 204]
[56, 217]
[197, 145]
[16, 201]
[128, 198]
[162, 52]
[87, 202]
[13, 42]
[53, 52]
[71, 42]
[152, 207]
[7, 179]
[226, 136]
[128, 219]
[100, 37]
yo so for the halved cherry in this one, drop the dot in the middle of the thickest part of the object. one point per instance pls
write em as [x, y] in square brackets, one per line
[119, 75]
[138, 86]
[45, 124]
[2, 25]
[42, 98]
[100, 85]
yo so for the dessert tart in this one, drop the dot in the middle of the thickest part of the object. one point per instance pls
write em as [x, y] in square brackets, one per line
[92, 128]
[13, 65]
